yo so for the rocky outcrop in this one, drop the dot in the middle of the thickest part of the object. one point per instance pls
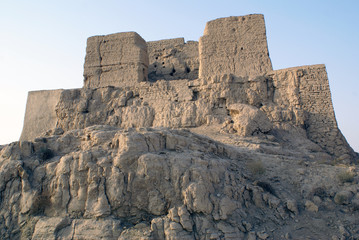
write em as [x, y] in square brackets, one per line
[104, 182]
[238, 152]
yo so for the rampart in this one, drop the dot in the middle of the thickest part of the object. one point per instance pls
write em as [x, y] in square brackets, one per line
[173, 83]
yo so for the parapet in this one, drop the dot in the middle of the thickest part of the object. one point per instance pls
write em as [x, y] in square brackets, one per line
[118, 60]
[234, 45]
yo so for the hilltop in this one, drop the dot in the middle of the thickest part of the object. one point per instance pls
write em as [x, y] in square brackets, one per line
[182, 140]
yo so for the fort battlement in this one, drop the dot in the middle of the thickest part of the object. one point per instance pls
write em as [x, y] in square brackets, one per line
[129, 82]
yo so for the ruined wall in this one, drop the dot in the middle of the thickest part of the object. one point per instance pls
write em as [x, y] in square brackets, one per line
[119, 59]
[305, 95]
[40, 114]
[234, 45]
[285, 96]
[173, 59]
[233, 66]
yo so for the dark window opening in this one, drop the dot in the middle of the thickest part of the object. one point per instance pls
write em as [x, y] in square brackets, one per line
[195, 95]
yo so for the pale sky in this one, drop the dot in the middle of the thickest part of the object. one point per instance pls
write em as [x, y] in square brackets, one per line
[42, 43]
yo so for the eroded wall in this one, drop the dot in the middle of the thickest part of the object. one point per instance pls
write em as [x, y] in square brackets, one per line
[40, 114]
[119, 59]
[233, 66]
[234, 45]
[173, 59]
[305, 95]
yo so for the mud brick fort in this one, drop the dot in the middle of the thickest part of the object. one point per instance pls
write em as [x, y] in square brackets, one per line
[129, 82]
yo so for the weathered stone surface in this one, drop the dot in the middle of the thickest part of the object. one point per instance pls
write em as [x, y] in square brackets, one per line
[104, 182]
[184, 103]
[303, 92]
[40, 114]
[234, 45]
[157, 169]
[119, 59]
[343, 197]
[249, 120]
[109, 161]
[310, 206]
[298, 97]
[173, 59]
[292, 206]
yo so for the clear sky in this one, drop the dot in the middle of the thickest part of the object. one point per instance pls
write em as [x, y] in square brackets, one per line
[42, 43]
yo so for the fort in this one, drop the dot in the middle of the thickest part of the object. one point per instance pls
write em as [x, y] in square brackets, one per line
[129, 82]
[182, 140]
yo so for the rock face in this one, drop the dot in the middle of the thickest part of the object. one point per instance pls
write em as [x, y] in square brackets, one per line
[211, 144]
[115, 60]
[104, 182]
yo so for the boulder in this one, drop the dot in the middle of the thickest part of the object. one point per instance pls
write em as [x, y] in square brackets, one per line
[249, 120]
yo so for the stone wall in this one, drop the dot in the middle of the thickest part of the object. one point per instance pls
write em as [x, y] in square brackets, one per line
[40, 114]
[234, 45]
[173, 59]
[305, 95]
[119, 59]
[233, 66]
